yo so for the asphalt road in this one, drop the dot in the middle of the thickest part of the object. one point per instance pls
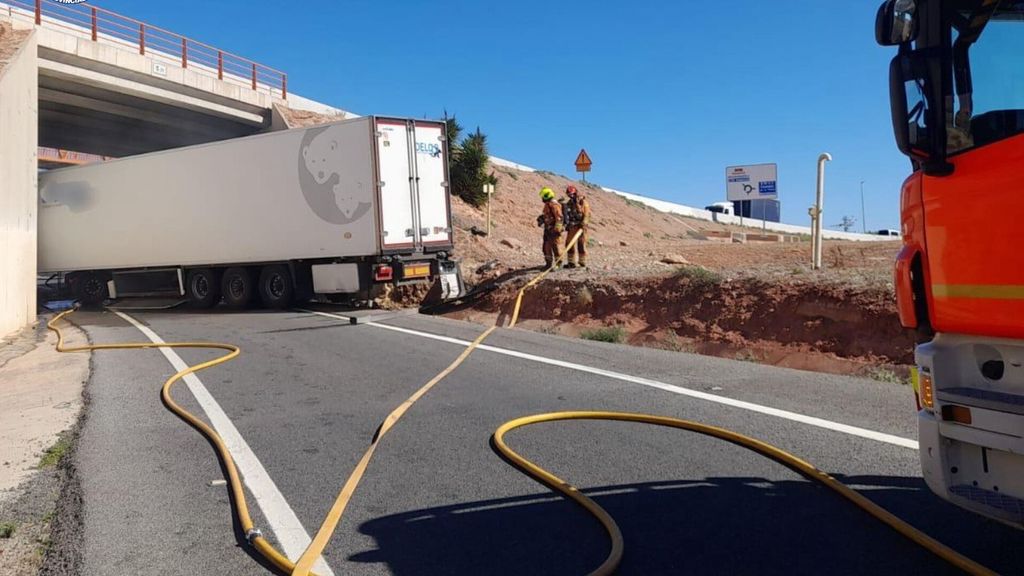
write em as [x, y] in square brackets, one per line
[309, 391]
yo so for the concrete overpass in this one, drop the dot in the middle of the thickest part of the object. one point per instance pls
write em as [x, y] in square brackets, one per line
[116, 86]
[84, 79]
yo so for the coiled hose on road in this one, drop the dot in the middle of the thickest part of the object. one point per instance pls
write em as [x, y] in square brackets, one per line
[304, 565]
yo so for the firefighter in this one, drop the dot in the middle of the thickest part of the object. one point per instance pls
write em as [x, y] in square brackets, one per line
[551, 220]
[577, 219]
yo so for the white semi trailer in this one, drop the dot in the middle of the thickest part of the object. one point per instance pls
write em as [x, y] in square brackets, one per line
[335, 209]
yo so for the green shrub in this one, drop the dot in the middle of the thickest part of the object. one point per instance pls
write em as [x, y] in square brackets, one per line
[635, 203]
[7, 529]
[613, 334]
[54, 453]
[747, 356]
[699, 276]
[886, 375]
[467, 163]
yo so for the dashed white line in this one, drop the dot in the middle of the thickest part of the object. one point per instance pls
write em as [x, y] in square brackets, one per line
[282, 519]
[752, 407]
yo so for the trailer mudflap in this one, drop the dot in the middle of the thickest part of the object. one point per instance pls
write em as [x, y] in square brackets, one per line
[448, 284]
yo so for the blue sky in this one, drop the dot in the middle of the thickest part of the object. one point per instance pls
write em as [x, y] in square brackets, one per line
[663, 95]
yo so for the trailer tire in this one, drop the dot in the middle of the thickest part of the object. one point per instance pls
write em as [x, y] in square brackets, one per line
[90, 288]
[202, 288]
[237, 287]
[275, 287]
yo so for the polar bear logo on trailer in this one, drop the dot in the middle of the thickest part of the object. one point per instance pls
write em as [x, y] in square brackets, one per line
[320, 177]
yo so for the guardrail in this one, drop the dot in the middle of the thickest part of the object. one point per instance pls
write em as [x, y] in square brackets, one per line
[101, 24]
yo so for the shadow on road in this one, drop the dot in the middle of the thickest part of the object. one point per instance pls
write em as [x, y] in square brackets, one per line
[713, 526]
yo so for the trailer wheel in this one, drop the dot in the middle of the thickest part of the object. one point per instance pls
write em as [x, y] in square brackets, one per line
[237, 287]
[90, 288]
[202, 287]
[275, 286]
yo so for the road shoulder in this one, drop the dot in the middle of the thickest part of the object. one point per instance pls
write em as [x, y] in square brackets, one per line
[41, 399]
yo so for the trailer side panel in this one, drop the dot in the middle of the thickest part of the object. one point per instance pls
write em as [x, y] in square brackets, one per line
[296, 194]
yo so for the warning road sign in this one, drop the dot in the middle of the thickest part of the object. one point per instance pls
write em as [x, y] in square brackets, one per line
[583, 162]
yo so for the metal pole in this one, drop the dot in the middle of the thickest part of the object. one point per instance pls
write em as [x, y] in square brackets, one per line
[863, 218]
[814, 238]
[819, 207]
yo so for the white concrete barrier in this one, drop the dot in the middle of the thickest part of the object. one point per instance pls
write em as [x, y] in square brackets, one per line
[747, 222]
[19, 141]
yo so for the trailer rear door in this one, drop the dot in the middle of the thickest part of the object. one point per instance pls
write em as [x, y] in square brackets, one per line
[432, 179]
[395, 168]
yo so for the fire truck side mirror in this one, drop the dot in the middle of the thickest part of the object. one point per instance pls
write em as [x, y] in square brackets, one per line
[896, 22]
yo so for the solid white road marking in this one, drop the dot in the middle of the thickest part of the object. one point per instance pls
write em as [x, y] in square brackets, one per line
[286, 525]
[760, 409]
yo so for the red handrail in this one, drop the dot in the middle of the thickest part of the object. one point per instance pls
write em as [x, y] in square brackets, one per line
[102, 23]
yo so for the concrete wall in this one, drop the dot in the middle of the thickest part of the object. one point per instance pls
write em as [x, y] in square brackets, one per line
[19, 113]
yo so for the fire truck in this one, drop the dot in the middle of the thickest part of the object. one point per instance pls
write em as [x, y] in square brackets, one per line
[957, 98]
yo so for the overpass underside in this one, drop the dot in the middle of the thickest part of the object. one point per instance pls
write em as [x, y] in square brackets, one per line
[89, 106]
[99, 120]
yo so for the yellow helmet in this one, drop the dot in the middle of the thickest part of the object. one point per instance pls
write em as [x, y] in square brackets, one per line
[547, 194]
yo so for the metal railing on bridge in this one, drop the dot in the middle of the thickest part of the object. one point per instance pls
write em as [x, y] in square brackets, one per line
[100, 24]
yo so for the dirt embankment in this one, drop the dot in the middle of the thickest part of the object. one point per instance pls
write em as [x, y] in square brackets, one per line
[809, 326]
[655, 281]
[10, 42]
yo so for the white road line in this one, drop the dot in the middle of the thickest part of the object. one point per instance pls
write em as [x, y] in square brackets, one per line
[286, 525]
[784, 414]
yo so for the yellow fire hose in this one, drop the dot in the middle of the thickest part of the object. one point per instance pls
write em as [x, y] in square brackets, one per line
[610, 564]
[240, 507]
[785, 458]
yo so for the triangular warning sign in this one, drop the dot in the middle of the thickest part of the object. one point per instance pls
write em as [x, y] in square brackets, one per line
[583, 162]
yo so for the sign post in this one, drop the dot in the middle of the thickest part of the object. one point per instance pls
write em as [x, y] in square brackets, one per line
[489, 190]
[583, 163]
[749, 183]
